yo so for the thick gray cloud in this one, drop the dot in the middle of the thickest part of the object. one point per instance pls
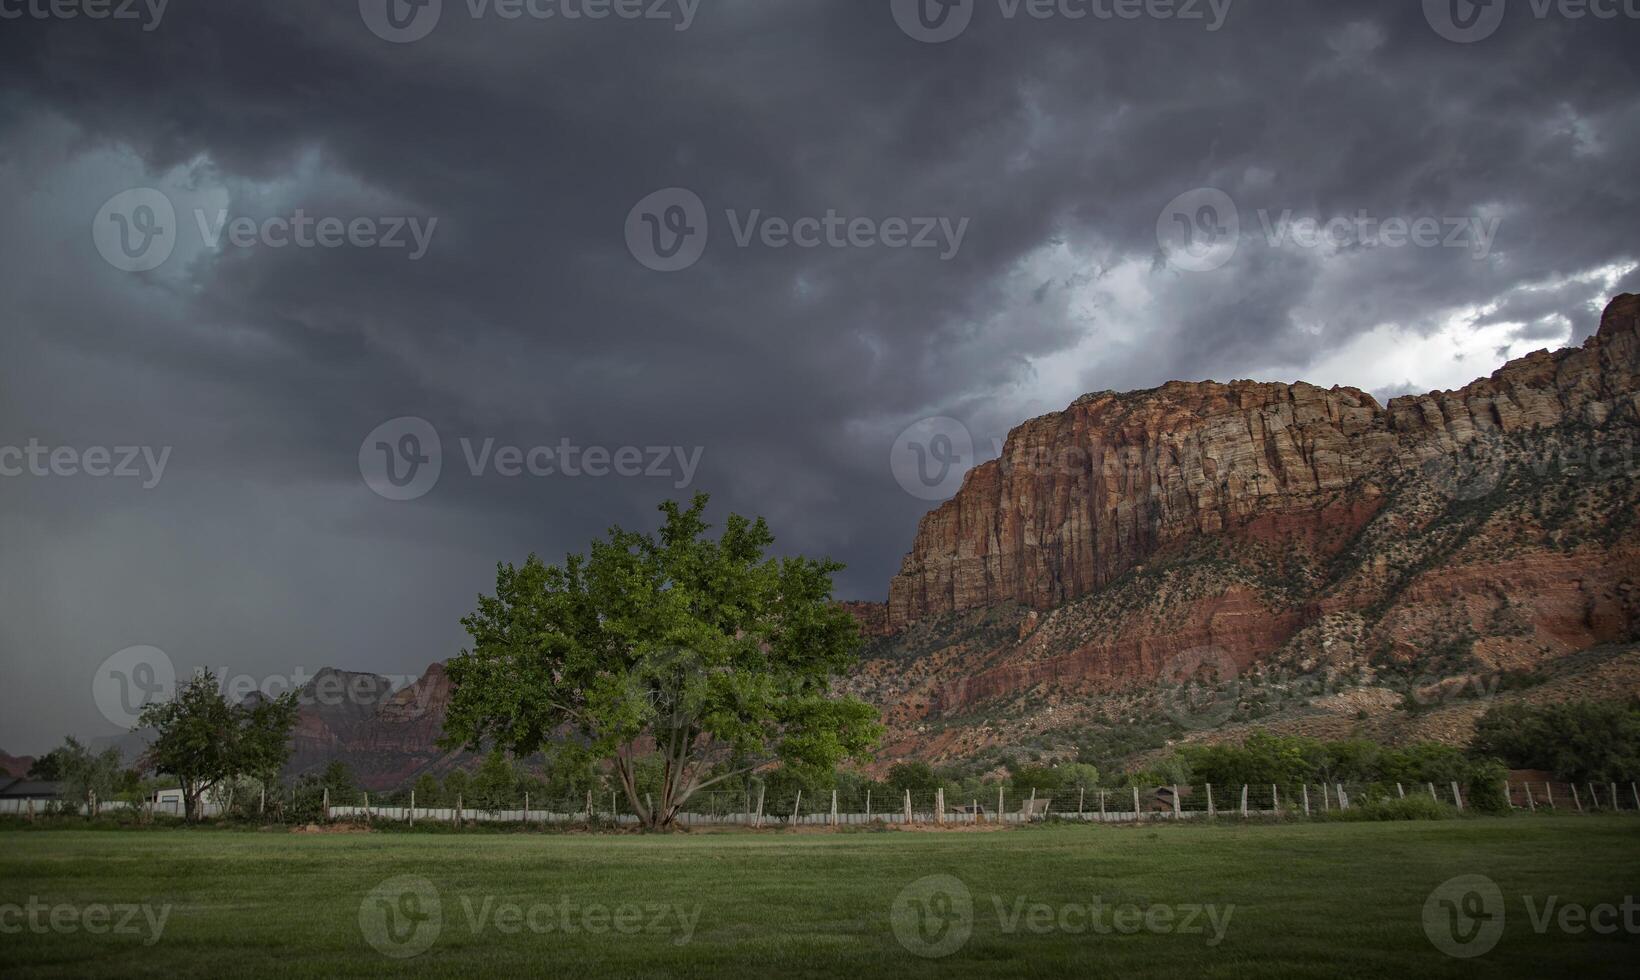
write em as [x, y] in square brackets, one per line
[1059, 142]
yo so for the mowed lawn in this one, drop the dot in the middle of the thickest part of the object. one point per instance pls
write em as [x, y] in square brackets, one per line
[1302, 900]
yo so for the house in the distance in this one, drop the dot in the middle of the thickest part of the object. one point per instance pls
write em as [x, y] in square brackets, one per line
[30, 789]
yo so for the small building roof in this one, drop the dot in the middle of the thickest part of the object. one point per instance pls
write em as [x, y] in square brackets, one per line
[39, 789]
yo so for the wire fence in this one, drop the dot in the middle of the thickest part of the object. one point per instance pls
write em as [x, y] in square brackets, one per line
[996, 806]
[1091, 805]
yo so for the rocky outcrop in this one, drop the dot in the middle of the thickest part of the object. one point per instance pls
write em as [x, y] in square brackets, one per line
[1080, 497]
[15, 766]
[872, 617]
[386, 737]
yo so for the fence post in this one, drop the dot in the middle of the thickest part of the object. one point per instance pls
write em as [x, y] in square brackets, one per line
[868, 806]
[1531, 804]
[327, 805]
[1175, 801]
[367, 808]
[761, 789]
[908, 808]
[1210, 812]
[974, 818]
[1577, 799]
[1306, 788]
[1244, 800]
[1399, 792]
[1030, 810]
[412, 808]
[939, 805]
[458, 810]
[1135, 804]
[1636, 793]
[262, 801]
[1101, 806]
[1001, 811]
[31, 809]
[834, 808]
[1343, 798]
[796, 805]
[1432, 795]
[1457, 797]
[526, 809]
[1081, 798]
[1275, 799]
[1326, 798]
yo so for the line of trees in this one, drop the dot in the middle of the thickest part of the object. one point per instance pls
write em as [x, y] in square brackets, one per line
[1580, 741]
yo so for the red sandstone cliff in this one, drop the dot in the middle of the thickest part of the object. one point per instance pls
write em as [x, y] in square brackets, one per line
[1082, 496]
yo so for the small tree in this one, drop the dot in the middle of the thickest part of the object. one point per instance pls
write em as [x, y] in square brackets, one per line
[202, 739]
[89, 777]
[699, 651]
[426, 790]
[918, 777]
[496, 784]
[48, 767]
[456, 787]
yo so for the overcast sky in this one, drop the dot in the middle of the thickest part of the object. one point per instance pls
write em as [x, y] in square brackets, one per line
[1051, 167]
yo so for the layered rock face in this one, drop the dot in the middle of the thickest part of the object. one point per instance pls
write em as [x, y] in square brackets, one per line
[386, 737]
[1081, 497]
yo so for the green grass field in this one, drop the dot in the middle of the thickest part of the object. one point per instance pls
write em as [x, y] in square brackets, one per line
[1301, 900]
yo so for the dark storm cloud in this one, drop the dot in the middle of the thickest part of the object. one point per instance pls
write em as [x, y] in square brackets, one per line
[528, 321]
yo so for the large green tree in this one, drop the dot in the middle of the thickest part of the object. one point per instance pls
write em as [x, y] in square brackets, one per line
[201, 739]
[704, 653]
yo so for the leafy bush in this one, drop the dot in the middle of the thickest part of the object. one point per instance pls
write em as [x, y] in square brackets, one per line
[1416, 807]
[1483, 789]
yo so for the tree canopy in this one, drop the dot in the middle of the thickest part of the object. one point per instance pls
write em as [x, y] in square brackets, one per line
[704, 652]
[201, 739]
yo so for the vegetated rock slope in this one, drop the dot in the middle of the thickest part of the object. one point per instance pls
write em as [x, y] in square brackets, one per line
[1306, 551]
